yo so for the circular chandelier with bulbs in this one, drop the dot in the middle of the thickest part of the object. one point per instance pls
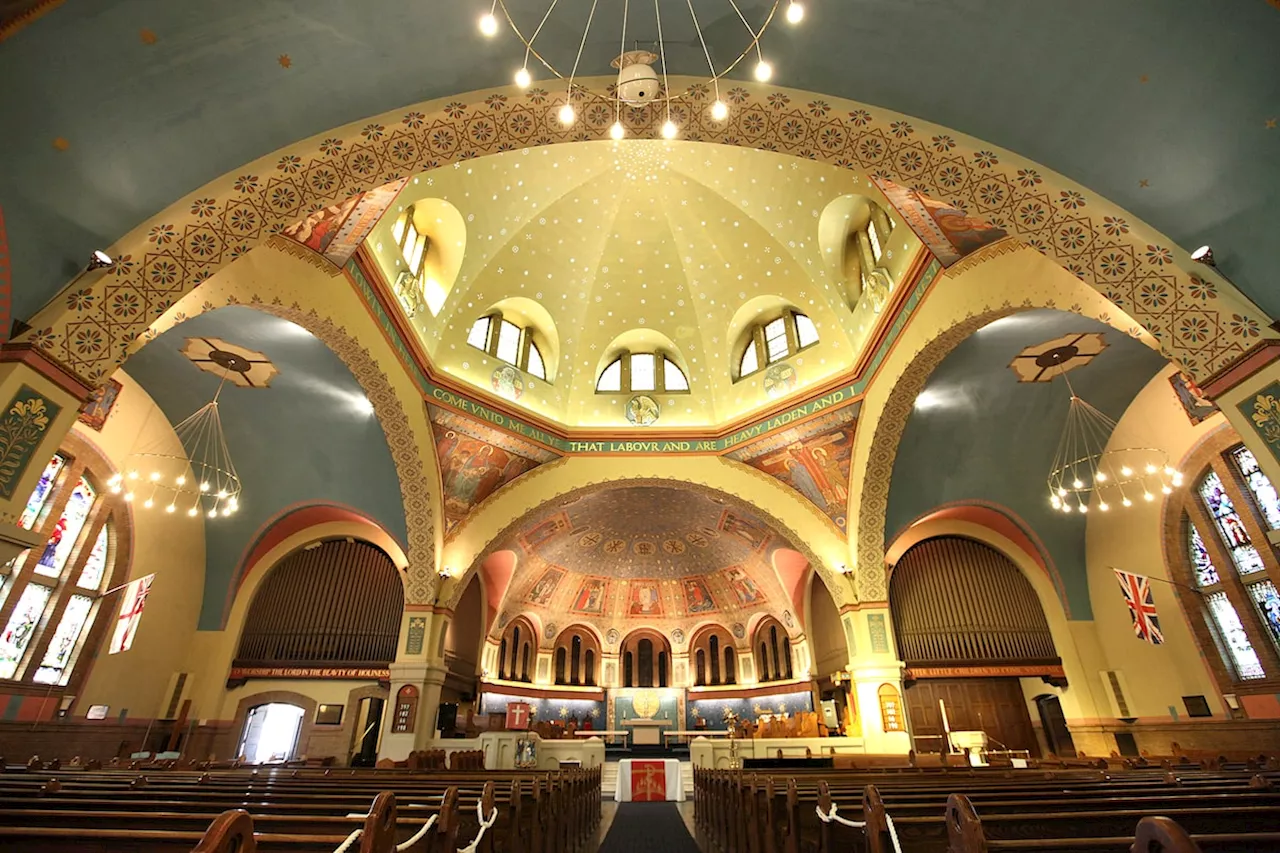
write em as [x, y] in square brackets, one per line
[1086, 475]
[638, 82]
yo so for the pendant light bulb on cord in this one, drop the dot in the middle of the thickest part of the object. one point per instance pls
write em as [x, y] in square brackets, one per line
[795, 12]
[488, 25]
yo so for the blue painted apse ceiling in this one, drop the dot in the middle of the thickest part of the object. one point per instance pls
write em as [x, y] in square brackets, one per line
[979, 434]
[113, 111]
[310, 437]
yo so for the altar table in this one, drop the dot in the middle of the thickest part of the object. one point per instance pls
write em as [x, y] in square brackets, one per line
[647, 781]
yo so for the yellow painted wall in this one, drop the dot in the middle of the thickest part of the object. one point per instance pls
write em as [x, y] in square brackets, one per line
[1157, 676]
[171, 546]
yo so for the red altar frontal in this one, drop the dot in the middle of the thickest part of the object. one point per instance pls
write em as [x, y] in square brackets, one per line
[648, 781]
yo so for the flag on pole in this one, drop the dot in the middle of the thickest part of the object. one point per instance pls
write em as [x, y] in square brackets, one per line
[1142, 606]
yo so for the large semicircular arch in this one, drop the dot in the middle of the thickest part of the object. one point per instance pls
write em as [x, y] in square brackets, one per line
[1204, 324]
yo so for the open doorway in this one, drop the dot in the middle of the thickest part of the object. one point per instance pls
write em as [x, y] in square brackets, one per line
[367, 733]
[271, 733]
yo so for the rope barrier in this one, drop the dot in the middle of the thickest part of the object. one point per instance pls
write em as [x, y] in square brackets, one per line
[858, 824]
[350, 840]
[419, 835]
[484, 825]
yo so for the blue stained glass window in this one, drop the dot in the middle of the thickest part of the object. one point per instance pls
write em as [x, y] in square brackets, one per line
[44, 487]
[1263, 492]
[1206, 573]
[1234, 536]
[1268, 600]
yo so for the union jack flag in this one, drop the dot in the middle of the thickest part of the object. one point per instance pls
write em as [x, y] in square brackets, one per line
[1142, 607]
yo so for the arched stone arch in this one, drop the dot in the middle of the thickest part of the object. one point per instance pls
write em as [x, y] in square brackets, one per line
[1200, 319]
[337, 318]
[995, 283]
[807, 528]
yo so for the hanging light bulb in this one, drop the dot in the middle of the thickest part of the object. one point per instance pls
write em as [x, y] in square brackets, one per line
[1126, 471]
[523, 78]
[795, 13]
[128, 496]
[568, 115]
[1104, 506]
[719, 111]
[1167, 489]
[1101, 476]
[1077, 483]
[1127, 502]
[1147, 496]
[1084, 508]
[192, 512]
[170, 508]
[488, 25]
[763, 71]
[148, 503]
[669, 129]
[617, 131]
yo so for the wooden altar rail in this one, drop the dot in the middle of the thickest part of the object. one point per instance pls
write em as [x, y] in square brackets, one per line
[970, 811]
[304, 811]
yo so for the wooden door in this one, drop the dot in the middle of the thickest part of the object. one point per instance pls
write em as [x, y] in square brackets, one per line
[993, 705]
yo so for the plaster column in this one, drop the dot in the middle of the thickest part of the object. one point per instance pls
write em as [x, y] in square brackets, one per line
[41, 401]
[874, 664]
[416, 671]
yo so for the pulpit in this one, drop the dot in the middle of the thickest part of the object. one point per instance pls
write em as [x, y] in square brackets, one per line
[973, 743]
[646, 732]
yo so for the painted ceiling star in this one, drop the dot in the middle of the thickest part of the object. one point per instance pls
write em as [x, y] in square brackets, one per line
[1144, 183]
[284, 60]
[1271, 123]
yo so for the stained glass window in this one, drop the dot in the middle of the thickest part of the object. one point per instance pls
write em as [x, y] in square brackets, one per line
[22, 627]
[96, 566]
[1206, 574]
[41, 494]
[66, 531]
[1263, 492]
[1234, 536]
[1268, 600]
[876, 249]
[131, 605]
[53, 669]
[1234, 637]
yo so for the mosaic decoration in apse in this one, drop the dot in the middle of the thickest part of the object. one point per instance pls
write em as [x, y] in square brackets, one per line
[950, 233]
[476, 460]
[812, 459]
[1045, 362]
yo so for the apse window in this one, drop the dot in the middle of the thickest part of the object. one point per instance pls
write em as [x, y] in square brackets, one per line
[509, 342]
[643, 372]
[54, 589]
[131, 605]
[773, 340]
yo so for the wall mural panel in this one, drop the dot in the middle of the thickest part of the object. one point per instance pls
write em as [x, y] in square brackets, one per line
[711, 711]
[476, 460]
[948, 231]
[335, 231]
[813, 459]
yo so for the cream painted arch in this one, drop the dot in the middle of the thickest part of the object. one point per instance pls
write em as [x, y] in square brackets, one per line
[1203, 322]
[329, 308]
[1001, 280]
[808, 528]
[1076, 703]
[214, 651]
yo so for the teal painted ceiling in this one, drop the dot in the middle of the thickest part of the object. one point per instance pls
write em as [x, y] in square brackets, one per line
[307, 438]
[1160, 105]
[986, 437]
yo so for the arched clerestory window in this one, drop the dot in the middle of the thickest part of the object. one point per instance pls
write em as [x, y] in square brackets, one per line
[506, 341]
[773, 339]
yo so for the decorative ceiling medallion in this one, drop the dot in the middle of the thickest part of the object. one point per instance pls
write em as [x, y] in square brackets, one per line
[643, 410]
[237, 365]
[1041, 363]
[779, 379]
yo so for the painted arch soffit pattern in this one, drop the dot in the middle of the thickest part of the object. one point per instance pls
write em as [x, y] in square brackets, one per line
[1199, 322]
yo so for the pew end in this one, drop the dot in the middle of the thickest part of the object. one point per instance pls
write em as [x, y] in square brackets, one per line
[873, 812]
[230, 832]
[379, 833]
[1162, 835]
[964, 828]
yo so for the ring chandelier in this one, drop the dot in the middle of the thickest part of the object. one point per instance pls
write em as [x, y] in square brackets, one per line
[1085, 474]
[639, 83]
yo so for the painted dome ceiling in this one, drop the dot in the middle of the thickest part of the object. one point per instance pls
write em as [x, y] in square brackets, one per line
[667, 556]
[645, 532]
[648, 245]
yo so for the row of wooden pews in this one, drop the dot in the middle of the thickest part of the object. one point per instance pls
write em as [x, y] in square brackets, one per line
[970, 810]
[303, 810]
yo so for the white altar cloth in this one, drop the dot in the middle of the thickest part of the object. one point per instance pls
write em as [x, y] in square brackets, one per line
[675, 786]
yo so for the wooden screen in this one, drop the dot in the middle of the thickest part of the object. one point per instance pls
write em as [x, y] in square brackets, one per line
[338, 604]
[955, 602]
[993, 705]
